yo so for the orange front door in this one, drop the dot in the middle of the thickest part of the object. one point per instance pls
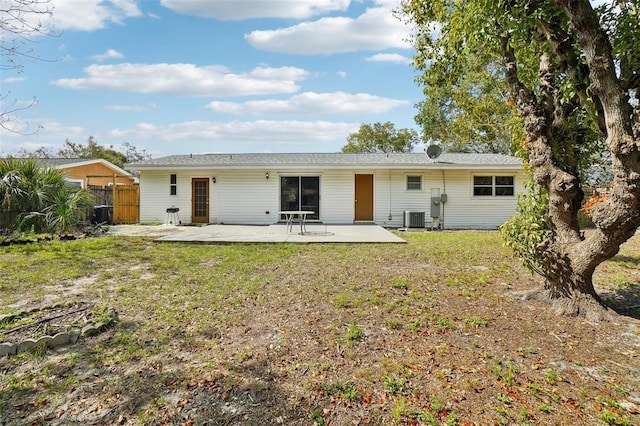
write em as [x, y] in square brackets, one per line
[364, 198]
[200, 200]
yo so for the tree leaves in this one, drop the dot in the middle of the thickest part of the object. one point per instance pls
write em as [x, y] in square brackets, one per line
[379, 137]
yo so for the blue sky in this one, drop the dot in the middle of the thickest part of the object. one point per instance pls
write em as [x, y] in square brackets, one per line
[206, 76]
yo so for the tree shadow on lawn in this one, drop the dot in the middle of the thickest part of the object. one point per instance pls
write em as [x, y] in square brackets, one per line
[635, 261]
[246, 396]
[87, 384]
[624, 300]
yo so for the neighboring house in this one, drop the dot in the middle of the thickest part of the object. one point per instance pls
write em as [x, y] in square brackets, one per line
[473, 191]
[115, 190]
[87, 173]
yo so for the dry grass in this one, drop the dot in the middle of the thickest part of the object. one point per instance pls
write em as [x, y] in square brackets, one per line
[422, 333]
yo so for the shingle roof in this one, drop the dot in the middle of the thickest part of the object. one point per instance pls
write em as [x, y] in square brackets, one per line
[59, 161]
[72, 162]
[328, 161]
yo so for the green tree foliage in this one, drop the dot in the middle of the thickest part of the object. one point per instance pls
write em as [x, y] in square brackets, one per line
[92, 150]
[379, 137]
[572, 73]
[473, 114]
[528, 229]
[37, 197]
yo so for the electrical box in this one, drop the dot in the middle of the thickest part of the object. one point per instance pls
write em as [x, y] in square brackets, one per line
[435, 207]
[443, 197]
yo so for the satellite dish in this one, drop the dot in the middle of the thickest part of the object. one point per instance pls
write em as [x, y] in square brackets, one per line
[434, 151]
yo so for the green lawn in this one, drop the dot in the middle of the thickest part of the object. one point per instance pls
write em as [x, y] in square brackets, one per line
[419, 333]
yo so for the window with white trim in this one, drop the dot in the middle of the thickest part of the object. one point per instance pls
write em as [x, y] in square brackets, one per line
[173, 184]
[414, 183]
[504, 186]
[499, 186]
[75, 183]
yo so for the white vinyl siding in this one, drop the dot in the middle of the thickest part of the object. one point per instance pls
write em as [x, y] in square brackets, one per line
[245, 196]
[336, 197]
[463, 210]
[155, 196]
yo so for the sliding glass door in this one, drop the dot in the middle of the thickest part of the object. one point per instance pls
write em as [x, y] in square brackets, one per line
[300, 193]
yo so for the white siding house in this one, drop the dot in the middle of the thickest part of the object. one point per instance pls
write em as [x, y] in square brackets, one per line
[455, 191]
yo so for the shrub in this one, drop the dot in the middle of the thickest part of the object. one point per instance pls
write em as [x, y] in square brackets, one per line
[39, 198]
[525, 231]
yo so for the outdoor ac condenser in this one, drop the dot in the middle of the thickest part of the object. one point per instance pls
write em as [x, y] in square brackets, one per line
[414, 219]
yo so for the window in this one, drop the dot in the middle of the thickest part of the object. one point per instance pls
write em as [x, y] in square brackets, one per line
[493, 185]
[414, 183]
[173, 185]
[75, 184]
[483, 185]
[504, 185]
[300, 193]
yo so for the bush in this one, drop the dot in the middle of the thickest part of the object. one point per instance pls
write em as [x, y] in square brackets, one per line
[38, 198]
[525, 231]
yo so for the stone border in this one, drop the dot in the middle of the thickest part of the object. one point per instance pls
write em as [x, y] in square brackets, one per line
[62, 338]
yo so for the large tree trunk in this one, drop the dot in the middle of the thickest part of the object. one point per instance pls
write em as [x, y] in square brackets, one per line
[618, 219]
[569, 283]
[570, 258]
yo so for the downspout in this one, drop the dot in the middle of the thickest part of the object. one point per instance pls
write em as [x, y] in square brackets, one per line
[389, 218]
[444, 191]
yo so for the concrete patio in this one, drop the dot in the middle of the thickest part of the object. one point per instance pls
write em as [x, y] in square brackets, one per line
[315, 233]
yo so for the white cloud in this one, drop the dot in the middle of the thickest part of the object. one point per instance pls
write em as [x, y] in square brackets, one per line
[375, 29]
[88, 15]
[390, 57]
[263, 131]
[47, 130]
[186, 79]
[341, 74]
[134, 108]
[109, 54]
[55, 16]
[14, 79]
[197, 136]
[236, 10]
[312, 104]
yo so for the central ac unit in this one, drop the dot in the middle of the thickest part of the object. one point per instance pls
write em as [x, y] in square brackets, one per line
[414, 219]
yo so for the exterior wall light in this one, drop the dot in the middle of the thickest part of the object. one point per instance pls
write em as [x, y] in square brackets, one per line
[213, 179]
[266, 176]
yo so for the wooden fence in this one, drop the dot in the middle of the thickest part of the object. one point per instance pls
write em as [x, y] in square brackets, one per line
[123, 203]
[7, 218]
[124, 200]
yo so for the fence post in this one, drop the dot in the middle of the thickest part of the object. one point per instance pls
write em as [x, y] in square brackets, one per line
[115, 199]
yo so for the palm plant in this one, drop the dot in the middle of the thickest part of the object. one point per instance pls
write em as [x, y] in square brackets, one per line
[67, 210]
[37, 197]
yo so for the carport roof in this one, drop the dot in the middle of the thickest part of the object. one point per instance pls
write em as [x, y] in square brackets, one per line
[330, 161]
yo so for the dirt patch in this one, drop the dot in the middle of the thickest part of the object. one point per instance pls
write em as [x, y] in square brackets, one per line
[41, 324]
[420, 334]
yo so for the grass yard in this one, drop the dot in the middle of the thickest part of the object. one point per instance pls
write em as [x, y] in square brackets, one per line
[424, 333]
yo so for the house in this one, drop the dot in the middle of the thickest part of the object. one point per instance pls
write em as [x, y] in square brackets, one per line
[89, 173]
[453, 191]
[115, 190]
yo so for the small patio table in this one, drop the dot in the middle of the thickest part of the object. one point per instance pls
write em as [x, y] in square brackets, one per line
[290, 216]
